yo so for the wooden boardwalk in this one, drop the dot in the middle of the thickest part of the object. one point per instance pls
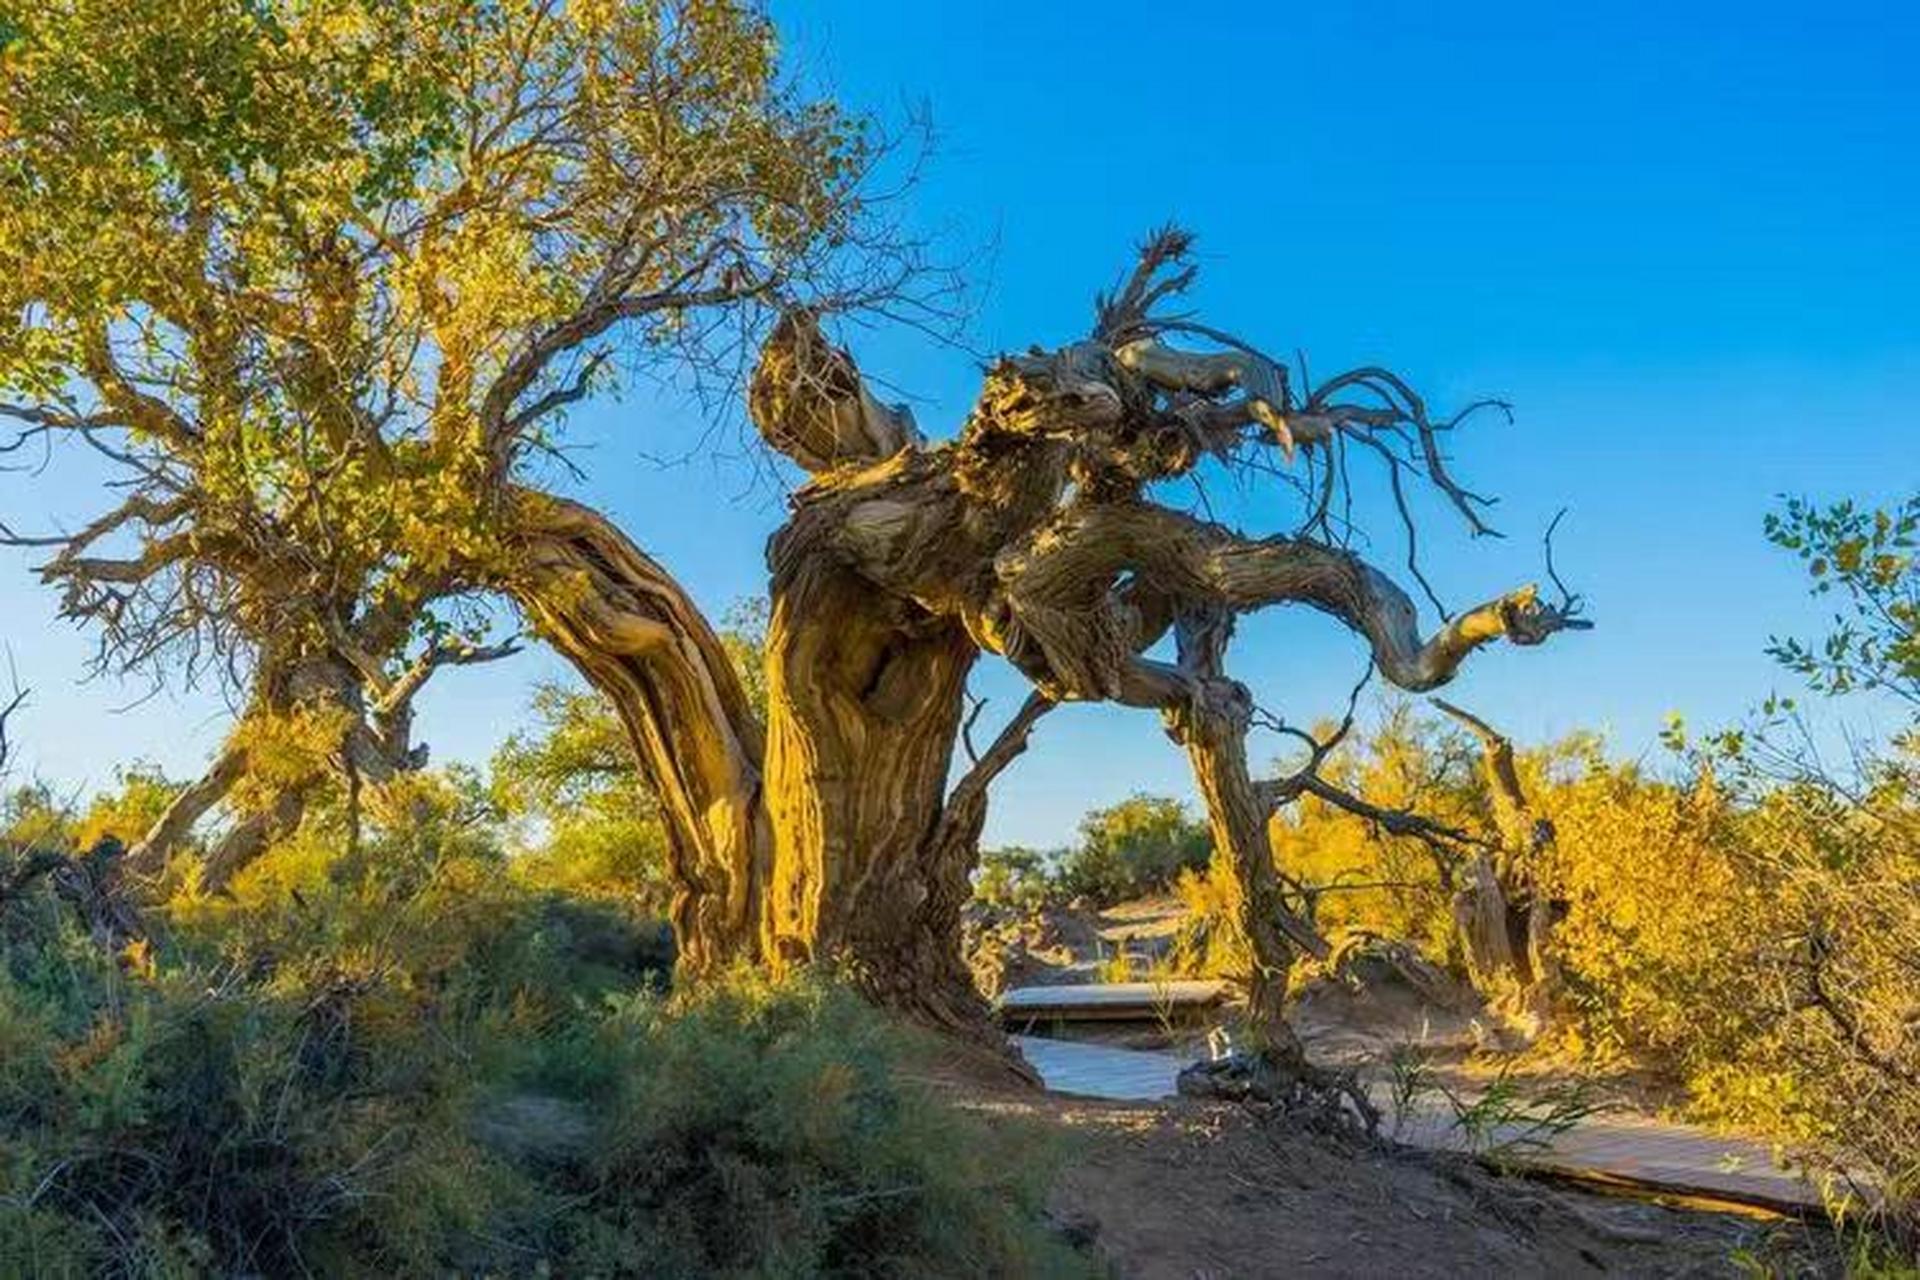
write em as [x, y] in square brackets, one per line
[1108, 1001]
[1634, 1151]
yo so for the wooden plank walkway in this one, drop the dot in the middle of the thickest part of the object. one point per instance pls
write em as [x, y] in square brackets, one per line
[1635, 1150]
[1107, 1001]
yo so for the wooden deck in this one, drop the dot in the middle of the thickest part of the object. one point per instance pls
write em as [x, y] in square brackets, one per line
[1637, 1152]
[1107, 1002]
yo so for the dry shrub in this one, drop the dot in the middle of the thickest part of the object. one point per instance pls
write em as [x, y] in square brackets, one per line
[1748, 925]
[764, 1129]
[1763, 943]
[1654, 939]
[404, 1060]
[1210, 943]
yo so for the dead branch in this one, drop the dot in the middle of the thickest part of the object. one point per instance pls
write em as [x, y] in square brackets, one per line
[1006, 746]
[1847, 1029]
[1057, 582]
[14, 702]
[399, 693]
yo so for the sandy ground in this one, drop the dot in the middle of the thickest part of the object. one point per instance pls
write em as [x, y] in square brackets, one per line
[1190, 1191]
[1193, 1189]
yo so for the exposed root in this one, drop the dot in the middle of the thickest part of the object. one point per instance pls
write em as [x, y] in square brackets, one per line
[1283, 1085]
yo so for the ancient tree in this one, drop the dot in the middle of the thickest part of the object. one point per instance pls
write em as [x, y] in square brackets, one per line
[325, 308]
[316, 284]
[1032, 534]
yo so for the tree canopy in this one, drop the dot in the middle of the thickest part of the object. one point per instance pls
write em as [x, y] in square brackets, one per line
[318, 280]
[312, 272]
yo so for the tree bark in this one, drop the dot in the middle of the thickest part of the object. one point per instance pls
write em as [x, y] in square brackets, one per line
[634, 634]
[825, 837]
[1212, 726]
[833, 843]
[176, 823]
[1484, 917]
[254, 834]
[284, 683]
[865, 695]
[1503, 911]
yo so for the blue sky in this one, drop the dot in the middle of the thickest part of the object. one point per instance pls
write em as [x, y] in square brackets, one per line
[1680, 238]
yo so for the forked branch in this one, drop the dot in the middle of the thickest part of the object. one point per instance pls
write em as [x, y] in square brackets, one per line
[14, 702]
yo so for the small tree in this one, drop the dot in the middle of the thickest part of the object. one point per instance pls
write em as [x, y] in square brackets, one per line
[1139, 845]
[1014, 877]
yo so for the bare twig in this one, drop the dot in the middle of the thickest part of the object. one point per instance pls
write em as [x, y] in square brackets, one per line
[15, 701]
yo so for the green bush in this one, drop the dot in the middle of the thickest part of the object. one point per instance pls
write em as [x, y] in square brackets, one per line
[764, 1129]
[410, 1062]
[1138, 846]
[1014, 879]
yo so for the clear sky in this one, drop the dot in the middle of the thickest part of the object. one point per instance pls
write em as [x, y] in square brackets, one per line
[1684, 240]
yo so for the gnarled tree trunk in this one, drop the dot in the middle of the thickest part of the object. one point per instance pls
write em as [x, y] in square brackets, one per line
[830, 837]
[835, 842]
[631, 630]
[865, 694]
[1212, 725]
[1503, 912]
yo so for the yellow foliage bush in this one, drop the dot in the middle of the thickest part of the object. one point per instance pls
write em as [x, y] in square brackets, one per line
[1655, 910]
[1210, 943]
[1753, 935]
[1747, 926]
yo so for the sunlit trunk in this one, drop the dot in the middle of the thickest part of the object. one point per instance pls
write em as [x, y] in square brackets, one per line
[634, 634]
[865, 695]
[829, 844]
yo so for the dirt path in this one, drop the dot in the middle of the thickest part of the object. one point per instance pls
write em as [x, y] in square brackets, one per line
[1195, 1190]
[1635, 1149]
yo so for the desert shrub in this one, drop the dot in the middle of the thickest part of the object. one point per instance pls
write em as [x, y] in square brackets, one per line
[1014, 879]
[1746, 921]
[1138, 846]
[578, 817]
[425, 897]
[1658, 917]
[125, 813]
[185, 1121]
[395, 1057]
[278, 1082]
[1210, 943]
[31, 816]
[1840, 870]
[1754, 925]
[761, 1129]
[1756, 938]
